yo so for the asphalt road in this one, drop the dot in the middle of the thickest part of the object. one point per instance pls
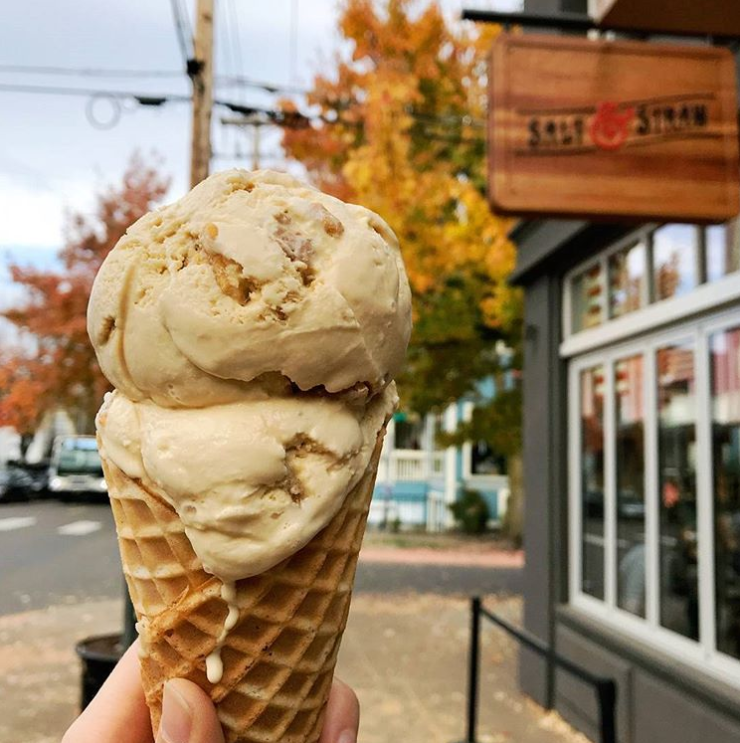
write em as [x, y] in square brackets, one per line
[56, 553]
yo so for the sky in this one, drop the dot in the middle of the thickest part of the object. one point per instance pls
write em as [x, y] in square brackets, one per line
[52, 159]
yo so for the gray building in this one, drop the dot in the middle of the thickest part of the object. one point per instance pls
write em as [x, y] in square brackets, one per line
[632, 469]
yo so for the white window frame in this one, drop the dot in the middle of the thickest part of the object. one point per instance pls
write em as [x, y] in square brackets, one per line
[602, 260]
[703, 298]
[701, 654]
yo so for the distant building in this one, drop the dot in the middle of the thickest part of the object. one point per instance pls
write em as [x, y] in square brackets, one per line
[417, 481]
[58, 423]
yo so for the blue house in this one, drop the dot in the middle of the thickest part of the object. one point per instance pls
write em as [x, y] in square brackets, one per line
[417, 481]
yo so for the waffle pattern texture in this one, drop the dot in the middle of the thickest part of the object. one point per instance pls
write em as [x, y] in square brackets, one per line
[279, 658]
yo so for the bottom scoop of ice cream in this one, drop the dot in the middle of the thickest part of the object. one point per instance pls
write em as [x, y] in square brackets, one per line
[252, 481]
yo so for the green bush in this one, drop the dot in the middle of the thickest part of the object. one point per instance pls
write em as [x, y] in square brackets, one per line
[471, 512]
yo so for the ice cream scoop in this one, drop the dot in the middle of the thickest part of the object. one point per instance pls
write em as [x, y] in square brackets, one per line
[251, 283]
[253, 481]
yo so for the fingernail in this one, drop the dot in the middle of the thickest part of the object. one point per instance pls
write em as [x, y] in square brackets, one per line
[177, 717]
[347, 736]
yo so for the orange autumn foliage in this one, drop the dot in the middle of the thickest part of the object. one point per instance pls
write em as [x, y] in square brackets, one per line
[400, 128]
[55, 367]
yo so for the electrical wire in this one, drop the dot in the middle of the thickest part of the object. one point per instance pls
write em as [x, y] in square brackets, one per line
[147, 98]
[87, 71]
[236, 81]
[223, 45]
[227, 80]
[287, 119]
[236, 37]
[184, 38]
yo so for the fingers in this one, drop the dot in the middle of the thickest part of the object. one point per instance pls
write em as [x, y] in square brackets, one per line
[342, 715]
[188, 715]
[118, 713]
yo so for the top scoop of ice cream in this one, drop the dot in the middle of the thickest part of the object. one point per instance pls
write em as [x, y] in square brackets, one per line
[250, 284]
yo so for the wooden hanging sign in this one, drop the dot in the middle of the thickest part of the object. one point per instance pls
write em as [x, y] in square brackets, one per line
[612, 129]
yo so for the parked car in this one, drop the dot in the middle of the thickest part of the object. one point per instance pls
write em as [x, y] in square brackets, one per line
[75, 467]
[20, 480]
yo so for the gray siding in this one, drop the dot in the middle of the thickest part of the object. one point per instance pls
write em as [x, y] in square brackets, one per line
[543, 477]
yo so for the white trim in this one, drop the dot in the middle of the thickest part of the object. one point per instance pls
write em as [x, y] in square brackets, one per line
[704, 496]
[702, 299]
[450, 467]
[702, 654]
[575, 564]
[467, 447]
[610, 486]
[652, 509]
[716, 665]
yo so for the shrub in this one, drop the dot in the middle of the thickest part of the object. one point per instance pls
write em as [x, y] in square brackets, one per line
[471, 512]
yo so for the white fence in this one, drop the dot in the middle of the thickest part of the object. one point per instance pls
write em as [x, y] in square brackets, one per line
[408, 465]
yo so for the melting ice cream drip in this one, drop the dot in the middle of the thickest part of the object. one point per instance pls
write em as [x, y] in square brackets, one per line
[214, 664]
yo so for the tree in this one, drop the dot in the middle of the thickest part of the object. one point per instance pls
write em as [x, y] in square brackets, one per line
[55, 365]
[399, 127]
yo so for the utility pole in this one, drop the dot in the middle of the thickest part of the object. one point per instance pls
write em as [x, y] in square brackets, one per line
[200, 69]
[256, 121]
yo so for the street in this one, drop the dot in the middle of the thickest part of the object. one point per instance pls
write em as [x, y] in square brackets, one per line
[62, 582]
[62, 553]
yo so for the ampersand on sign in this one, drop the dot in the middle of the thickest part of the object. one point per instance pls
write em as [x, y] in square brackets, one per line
[609, 128]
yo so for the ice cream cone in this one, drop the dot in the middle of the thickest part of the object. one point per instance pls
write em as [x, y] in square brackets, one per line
[279, 658]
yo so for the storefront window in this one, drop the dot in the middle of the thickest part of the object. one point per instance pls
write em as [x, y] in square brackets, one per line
[725, 411]
[592, 480]
[679, 602]
[723, 250]
[674, 260]
[626, 279]
[588, 291]
[630, 480]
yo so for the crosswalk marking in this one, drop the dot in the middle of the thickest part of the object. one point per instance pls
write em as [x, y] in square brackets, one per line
[17, 522]
[79, 528]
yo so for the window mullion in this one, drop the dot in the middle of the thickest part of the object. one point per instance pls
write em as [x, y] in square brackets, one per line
[652, 516]
[574, 478]
[704, 497]
[610, 487]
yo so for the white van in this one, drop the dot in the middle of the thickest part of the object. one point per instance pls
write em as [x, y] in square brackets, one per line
[75, 467]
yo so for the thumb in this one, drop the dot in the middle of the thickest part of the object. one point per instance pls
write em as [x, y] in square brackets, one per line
[188, 715]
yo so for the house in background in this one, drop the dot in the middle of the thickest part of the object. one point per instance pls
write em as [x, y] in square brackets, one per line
[418, 481]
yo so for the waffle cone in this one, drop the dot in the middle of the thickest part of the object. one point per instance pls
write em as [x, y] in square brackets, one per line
[279, 658]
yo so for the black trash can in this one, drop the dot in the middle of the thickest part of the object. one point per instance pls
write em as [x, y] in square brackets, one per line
[99, 656]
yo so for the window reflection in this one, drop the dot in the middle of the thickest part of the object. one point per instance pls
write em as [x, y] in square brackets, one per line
[674, 260]
[587, 291]
[723, 250]
[630, 472]
[626, 278]
[725, 353]
[592, 480]
[677, 490]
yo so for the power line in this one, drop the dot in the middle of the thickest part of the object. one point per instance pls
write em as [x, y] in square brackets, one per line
[223, 46]
[145, 98]
[184, 37]
[235, 36]
[288, 119]
[247, 82]
[235, 80]
[87, 71]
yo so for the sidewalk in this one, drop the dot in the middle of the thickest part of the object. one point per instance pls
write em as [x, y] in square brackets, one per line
[439, 549]
[405, 656]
